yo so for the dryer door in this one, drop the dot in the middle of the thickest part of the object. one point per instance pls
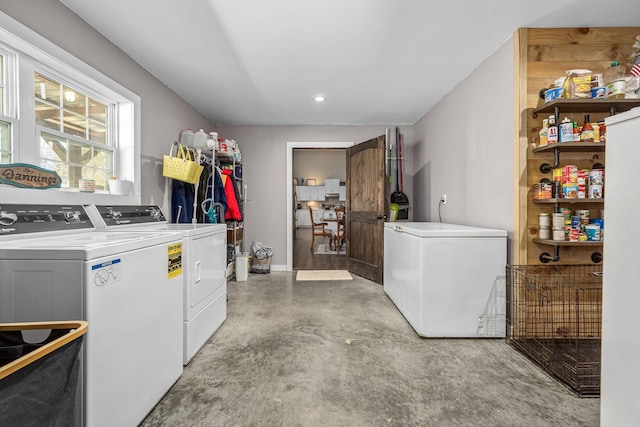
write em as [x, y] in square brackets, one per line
[206, 264]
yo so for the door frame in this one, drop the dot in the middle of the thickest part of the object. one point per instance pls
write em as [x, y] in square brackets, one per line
[290, 220]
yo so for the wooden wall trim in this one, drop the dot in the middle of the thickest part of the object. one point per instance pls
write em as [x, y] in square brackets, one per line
[520, 147]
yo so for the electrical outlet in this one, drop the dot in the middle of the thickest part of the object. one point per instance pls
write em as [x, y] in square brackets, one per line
[443, 199]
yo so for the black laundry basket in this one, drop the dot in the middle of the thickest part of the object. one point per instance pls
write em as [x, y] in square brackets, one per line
[39, 381]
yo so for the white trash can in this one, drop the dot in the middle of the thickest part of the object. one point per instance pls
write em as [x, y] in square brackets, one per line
[242, 266]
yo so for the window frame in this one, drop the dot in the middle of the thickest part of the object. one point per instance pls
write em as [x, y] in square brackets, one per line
[33, 53]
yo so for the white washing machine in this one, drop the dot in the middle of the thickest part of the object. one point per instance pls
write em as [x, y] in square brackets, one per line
[204, 258]
[54, 266]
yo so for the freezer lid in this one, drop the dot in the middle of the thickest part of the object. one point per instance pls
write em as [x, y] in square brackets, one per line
[443, 230]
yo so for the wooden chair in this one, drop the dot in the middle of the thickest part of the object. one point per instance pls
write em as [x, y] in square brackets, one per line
[339, 237]
[318, 229]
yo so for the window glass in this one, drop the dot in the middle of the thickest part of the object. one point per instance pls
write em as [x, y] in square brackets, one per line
[74, 160]
[82, 122]
[5, 142]
[2, 83]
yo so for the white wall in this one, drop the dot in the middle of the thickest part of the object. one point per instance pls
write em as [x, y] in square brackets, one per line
[319, 164]
[463, 148]
[164, 114]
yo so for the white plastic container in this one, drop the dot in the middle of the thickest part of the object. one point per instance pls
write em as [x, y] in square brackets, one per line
[200, 139]
[186, 137]
[242, 266]
[120, 187]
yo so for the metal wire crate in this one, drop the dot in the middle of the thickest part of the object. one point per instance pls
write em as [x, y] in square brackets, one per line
[554, 316]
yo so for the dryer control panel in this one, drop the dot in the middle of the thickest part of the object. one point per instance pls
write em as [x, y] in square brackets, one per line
[23, 219]
[125, 215]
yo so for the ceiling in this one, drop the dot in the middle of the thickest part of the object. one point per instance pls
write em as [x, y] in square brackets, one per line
[251, 62]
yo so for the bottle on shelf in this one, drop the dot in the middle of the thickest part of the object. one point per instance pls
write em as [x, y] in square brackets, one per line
[587, 133]
[603, 131]
[200, 139]
[576, 132]
[544, 132]
[212, 142]
[552, 133]
[186, 137]
[614, 80]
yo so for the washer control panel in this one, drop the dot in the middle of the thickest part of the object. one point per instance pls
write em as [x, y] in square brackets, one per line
[124, 215]
[23, 219]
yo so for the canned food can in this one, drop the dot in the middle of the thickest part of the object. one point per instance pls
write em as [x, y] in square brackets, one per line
[573, 236]
[583, 214]
[596, 177]
[595, 191]
[593, 232]
[570, 190]
[570, 174]
[575, 222]
[558, 220]
[544, 220]
[558, 233]
[544, 233]
[583, 176]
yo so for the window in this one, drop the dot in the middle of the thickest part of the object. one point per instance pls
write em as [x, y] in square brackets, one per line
[5, 126]
[76, 142]
[58, 113]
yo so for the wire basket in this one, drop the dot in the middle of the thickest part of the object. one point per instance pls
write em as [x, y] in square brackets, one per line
[554, 316]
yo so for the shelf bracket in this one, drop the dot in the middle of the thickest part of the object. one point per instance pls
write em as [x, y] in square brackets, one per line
[545, 257]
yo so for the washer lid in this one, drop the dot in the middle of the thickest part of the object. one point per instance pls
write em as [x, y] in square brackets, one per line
[443, 230]
[144, 218]
[84, 246]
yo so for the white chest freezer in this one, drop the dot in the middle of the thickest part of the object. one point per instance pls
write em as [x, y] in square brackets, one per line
[447, 280]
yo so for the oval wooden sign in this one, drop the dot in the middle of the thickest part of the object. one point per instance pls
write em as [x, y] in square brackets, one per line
[29, 176]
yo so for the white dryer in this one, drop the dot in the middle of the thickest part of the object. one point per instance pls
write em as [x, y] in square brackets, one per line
[54, 266]
[204, 258]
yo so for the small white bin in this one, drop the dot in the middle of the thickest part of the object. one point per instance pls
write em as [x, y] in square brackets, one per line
[242, 266]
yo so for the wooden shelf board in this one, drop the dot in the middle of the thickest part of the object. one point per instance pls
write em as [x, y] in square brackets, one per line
[565, 243]
[553, 201]
[588, 105]
[572, 146]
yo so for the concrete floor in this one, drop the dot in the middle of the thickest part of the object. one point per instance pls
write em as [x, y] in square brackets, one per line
[338, 353]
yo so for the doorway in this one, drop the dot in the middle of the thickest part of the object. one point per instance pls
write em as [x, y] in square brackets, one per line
[292, 203]
[320, 187]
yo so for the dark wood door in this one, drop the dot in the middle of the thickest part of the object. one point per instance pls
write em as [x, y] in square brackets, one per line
[366, 208]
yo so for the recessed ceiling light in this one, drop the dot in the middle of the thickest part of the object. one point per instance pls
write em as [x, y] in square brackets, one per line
[319, 98]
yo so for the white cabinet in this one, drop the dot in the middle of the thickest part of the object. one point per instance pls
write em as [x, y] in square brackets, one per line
[302, 218]
[342, 193]
[303, 192]
[332, 185]
[310, 193]
[317, 193]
